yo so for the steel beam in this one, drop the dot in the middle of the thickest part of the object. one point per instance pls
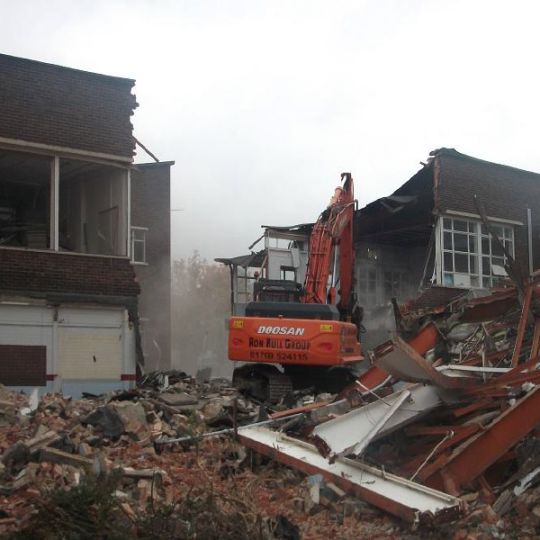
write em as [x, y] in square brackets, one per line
[473, 457]
[522, 326]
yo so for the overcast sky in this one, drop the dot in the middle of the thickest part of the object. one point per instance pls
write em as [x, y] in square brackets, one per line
[262, 104]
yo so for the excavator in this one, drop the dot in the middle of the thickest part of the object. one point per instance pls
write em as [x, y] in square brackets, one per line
[312, 331]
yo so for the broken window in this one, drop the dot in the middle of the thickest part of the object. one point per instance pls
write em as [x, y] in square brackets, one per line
[493, 257]
[25, 187]
[138, 244]
[93, 208]
[470, 257]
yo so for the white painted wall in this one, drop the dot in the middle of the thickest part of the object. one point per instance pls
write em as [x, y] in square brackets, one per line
[87, 348]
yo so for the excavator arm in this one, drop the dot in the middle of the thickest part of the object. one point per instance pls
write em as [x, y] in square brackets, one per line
[333, 228]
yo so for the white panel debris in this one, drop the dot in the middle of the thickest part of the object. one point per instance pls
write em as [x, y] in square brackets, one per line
[350, 433]
[393, 493]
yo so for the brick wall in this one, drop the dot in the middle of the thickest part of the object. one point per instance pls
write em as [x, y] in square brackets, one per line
[23, 365]
[35, 271]
[150, 207]
[505, 192]
[54, 105]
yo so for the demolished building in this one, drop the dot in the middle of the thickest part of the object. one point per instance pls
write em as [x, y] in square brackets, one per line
[69, 318]
[427, 241]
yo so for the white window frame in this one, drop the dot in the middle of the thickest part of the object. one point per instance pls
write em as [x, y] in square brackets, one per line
[476, 248]
[367, 285]
[144, 230]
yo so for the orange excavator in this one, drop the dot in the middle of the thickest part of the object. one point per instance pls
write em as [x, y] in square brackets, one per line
[311, 331]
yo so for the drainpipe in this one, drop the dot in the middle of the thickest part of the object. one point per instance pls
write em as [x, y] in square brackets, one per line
[530, 240]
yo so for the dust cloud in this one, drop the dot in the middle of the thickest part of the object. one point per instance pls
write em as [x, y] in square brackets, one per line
[200, 308]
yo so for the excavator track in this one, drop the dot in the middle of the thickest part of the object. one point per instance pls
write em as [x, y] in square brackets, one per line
[278, 387]
[263, 382]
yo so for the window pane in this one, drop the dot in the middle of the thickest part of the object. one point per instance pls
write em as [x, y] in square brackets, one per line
[460, 225]
[462, 263]
[448, 262]
[486, 282]
[509, 247]
[448, 280]
[486, 267]
[496, 249]
[447, 223]
[497, 229]
[472, 244]
[448, 240]
[472, 264]
[483, 229]
[475, 282]
[485, 246]
[138, 252]
[460, 242]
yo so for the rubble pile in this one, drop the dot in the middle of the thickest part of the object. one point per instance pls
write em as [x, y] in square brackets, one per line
[444, 425]
[70, 468]
[438, 437]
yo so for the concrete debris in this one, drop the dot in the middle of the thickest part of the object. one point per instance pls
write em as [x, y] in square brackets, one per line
[451, 402]
[437, 439]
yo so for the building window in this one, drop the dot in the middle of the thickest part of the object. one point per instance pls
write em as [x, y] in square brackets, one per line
[138, 245]
[470, 257]
[493, 257]
[367, 286]
[395, 284]
[288, 273]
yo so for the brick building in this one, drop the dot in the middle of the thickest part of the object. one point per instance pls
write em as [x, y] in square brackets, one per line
[151, 256]
[69, 317]
[427, 239]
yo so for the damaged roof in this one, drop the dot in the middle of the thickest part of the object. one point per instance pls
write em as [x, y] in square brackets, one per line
[449, 181]
[254, 260]
[405, 217]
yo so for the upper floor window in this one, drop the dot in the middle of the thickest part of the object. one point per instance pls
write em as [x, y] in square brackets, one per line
[470, 256]
[395, 284]
[367, 285]
[138, 244]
